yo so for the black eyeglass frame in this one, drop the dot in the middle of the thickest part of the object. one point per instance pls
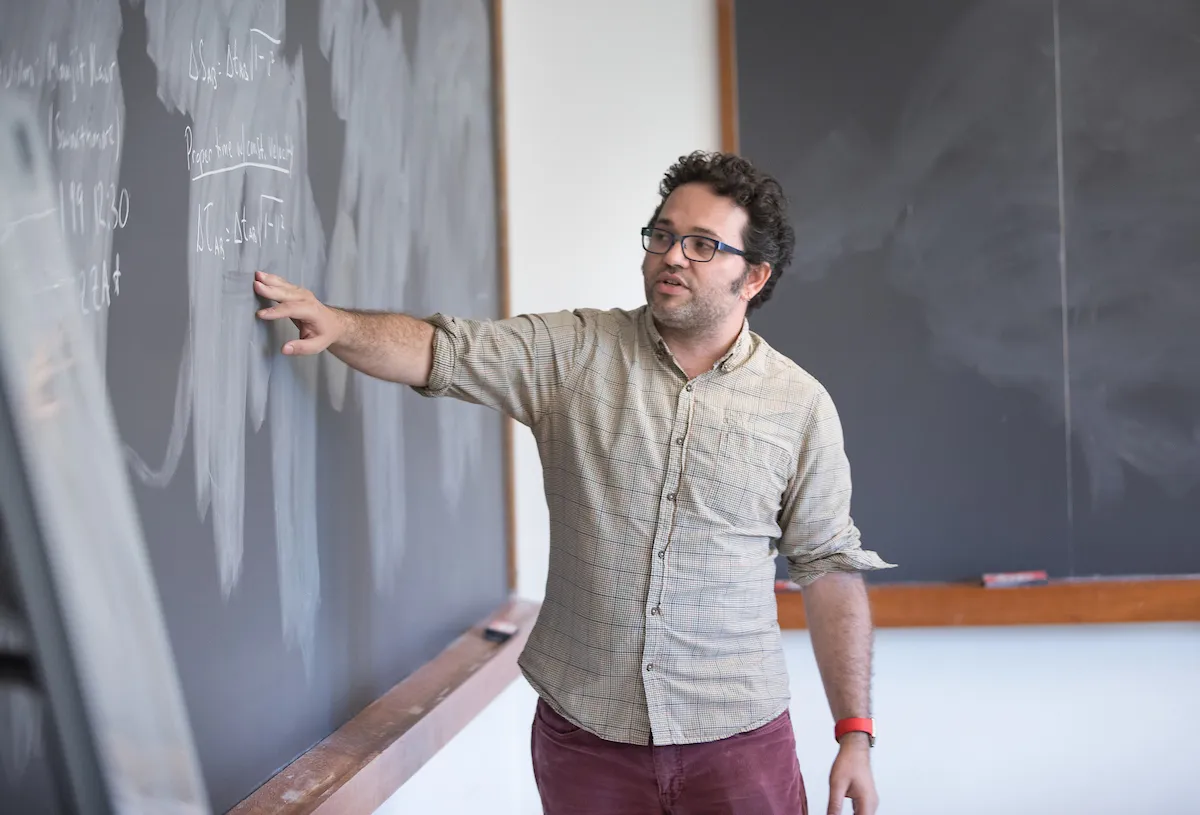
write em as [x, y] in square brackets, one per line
[720, 246]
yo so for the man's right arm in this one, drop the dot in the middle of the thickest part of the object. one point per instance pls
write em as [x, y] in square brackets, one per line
[395, 347]
[516, 365]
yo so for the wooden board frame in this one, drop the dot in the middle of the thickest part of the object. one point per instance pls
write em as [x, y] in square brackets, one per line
[903, 605]
[1058, 603]
[360, 766]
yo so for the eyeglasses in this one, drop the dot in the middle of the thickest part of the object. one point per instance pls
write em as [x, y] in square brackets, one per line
[699, 248]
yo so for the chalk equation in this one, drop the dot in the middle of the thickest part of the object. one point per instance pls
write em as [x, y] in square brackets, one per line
[217, 231]
[244, 63]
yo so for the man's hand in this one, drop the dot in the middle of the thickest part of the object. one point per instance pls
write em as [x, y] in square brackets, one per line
[851, 777]
[320, 326]
[389, 346]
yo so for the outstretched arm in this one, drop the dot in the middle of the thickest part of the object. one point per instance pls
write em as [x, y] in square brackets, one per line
[516, 365]
[385, 345]
[390, 346]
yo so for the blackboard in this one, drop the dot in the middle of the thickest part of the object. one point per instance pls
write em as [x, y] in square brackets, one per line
[315, 536]
[997, 270]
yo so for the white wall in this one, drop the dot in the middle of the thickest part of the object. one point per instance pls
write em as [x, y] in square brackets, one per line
[589, 136]
[1095, 720]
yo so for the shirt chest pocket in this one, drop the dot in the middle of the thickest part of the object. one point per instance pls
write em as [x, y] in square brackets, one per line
[751, 469]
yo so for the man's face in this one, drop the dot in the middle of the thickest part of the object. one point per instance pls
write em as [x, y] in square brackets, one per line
[690, 296]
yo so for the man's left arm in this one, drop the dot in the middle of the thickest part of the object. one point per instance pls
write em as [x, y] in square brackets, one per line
[839, 624]
[838, 615]
[825, 557]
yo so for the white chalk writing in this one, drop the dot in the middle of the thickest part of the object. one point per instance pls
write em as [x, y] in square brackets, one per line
[75, 69]
[97, 285]
[264, 151]
[217, 231]
[103, 208]
[65, 135]
[242, 62]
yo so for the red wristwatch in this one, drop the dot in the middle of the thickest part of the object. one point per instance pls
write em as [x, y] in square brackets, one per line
[855, 725]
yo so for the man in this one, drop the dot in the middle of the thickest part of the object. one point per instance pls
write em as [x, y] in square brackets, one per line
[680, 451]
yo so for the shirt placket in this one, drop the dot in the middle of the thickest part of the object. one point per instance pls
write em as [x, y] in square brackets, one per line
[653, 649]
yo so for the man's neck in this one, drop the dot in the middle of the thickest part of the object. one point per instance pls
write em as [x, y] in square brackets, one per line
[699, 352]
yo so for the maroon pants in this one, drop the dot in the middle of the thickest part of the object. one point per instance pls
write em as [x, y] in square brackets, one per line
[578, 773]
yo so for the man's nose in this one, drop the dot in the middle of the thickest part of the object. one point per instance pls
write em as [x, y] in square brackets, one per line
[675, 256]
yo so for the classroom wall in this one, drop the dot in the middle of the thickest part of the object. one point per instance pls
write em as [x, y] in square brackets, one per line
[1066, 719]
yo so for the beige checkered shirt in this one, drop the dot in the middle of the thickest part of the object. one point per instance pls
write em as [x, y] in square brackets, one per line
[668, 499]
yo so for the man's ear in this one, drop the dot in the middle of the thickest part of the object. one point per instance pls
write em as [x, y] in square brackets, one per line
[756, 277]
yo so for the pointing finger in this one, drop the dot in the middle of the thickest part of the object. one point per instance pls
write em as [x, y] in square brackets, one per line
[281, 292]
[267, 277]
[275, 281]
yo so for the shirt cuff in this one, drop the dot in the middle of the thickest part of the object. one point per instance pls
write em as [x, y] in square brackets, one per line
[445, 356]
[853, 560]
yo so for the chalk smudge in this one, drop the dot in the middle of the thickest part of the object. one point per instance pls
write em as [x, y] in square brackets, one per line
[85, 515]
[417, 140]
[62, 54]
[454, 224]
[247, 157]
[964, 202]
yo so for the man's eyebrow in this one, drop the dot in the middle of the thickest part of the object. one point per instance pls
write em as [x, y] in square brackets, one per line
[700, 230]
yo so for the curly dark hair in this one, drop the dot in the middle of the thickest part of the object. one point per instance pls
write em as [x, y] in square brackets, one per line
[769, 236]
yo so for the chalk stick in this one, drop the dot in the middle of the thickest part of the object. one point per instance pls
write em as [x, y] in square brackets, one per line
[1000, 580]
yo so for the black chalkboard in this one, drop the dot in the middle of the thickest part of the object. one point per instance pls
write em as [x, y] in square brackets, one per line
[997, 271]
[315, 536]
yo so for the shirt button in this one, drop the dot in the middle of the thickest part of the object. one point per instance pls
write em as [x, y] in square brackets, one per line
[679, 441]
[662, 553]
[670, 496]
[650, 667]
[689, 387]
[655, 611]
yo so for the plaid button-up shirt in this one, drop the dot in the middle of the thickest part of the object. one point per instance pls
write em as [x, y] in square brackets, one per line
[669, 498]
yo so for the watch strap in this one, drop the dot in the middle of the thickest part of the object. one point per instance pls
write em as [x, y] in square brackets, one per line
[855, 724]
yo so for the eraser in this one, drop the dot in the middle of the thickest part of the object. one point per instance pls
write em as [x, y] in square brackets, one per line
[999, 580]
[499, 630]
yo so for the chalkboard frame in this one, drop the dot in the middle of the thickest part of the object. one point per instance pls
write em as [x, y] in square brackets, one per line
[1115, 600]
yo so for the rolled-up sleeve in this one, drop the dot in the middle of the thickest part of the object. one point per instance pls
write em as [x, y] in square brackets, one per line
[516, 366]
[818, 533]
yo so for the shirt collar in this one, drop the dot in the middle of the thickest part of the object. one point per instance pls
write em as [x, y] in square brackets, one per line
[737, 355]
